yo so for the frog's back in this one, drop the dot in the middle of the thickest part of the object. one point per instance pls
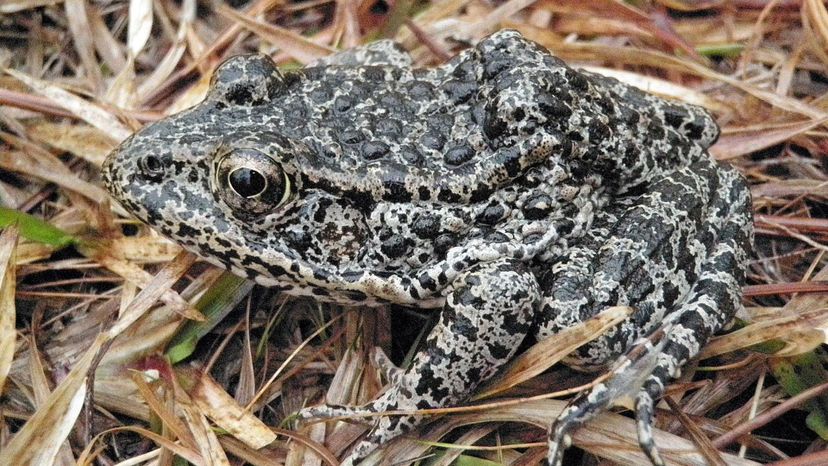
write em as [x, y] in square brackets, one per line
[461, 131]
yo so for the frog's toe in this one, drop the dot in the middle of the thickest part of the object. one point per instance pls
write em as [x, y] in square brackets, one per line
[387, 368]
[627, 378]
[329, 411]
[644, 413]
[559, 441]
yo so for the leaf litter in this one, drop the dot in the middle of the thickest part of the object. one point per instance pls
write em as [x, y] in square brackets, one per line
[94, 306]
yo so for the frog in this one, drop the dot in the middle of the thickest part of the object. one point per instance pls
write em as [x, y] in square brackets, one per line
[509, 192]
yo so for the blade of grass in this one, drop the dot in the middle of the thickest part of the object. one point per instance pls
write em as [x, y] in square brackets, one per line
[35, 229]
[215, 304]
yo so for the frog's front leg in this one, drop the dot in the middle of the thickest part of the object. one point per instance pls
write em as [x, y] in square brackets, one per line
[676, 254]
[487, 313]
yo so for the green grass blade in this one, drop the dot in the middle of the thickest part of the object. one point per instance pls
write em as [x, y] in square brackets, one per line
[35, 229]
[215, 304]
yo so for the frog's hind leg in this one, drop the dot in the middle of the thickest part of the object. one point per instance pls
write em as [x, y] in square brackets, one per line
[681, 337]
[717, 293]
[677, 255]
[487, 313]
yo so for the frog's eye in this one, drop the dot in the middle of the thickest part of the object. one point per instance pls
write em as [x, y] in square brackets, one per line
[250, 182]
[247, 182]
[151, 167]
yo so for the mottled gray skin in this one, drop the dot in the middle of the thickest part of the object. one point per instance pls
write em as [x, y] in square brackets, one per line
[510, 191]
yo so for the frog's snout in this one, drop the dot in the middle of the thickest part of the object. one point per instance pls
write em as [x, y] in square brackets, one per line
[109, 170]
[132, 163]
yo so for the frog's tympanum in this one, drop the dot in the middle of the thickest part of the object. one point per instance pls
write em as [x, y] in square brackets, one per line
[513, 193]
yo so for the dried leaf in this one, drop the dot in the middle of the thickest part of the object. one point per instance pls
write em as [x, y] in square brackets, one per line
[140, 25]
[157, 288]
[167, 64]
[41, 389]
[802, 324]
[298, 47]
[550, 351]
[738, 142]
[108, 47]
[177, 428]
[26, 164]
[39, 440]
[205, 439]
[818, 16]
[13, 6]
[8, 285]
[661, 87]
[216, 404]
[83, 141]
[77, 15]
[86, 111]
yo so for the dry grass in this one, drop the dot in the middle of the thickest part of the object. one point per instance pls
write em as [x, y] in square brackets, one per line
[102, 295]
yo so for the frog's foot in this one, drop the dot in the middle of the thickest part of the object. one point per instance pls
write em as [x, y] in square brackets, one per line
[487, 313]
[629, 374]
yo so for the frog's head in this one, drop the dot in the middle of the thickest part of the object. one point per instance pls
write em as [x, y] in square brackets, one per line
[218, 180]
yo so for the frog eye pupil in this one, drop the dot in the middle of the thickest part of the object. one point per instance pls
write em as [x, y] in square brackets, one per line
[152, 167]
[247, 182]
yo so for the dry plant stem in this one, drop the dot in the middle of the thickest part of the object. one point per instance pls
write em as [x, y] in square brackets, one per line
[769, 415]
[319, 449]
[44, 105]
[754, 405]
[85, 428]
[434, 46]
[698, 437]
[803, 224]
[773, 289]
[812, 459]
[32, 102]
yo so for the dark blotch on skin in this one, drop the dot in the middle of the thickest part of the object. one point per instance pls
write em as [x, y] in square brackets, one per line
[656, 131]
[492, 214]
[373, 150]
[598, 131]
[458, 155]
[448, 196]
[426, 226]
[351, 136]
[433, 140]
[460, 91]
[396, 191]
[538, 207]
[395, 246]
[443, 243]
[553, 108]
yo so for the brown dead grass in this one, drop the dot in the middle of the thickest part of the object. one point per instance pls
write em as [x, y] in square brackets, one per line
[80, 76]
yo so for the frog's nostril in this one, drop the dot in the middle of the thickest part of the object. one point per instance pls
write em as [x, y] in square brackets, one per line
[152, 167]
